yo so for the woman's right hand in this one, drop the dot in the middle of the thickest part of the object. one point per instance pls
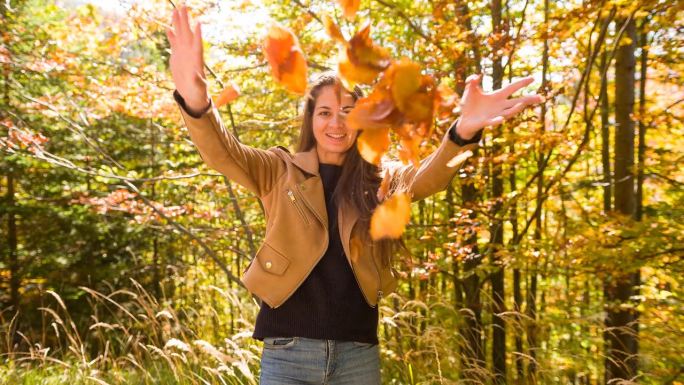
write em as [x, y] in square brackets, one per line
[187, 61]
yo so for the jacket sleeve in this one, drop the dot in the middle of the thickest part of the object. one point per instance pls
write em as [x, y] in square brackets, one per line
[255, 169]
[433, 175]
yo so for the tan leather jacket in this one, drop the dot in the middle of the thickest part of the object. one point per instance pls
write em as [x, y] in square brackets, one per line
[291, 191]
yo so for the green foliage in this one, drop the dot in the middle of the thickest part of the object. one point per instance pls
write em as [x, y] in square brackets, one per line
[95, 84]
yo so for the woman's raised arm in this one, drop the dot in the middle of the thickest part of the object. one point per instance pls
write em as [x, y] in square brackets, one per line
[255, 169]
[479, 109]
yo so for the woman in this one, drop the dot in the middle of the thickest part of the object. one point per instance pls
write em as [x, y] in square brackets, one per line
[318, 274]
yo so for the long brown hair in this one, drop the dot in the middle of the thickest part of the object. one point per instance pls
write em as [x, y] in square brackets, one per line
[359, 180]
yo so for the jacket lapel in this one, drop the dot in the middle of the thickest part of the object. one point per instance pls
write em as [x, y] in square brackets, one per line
[312, 191]
[312, 188]
[307, 161]
[346, 220]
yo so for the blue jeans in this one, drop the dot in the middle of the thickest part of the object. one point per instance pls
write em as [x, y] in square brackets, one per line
[298, 360]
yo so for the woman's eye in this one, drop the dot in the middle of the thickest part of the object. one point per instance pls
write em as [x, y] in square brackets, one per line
[324, 113]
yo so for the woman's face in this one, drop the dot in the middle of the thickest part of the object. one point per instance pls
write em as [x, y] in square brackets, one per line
[333, 138]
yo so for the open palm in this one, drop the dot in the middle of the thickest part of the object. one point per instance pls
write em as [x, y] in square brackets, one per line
[480, 109]
[187, 60]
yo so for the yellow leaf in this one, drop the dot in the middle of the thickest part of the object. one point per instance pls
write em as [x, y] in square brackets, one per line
[373, 144]
[389, 219]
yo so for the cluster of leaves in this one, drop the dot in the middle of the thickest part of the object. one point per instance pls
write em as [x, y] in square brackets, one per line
[403, 101]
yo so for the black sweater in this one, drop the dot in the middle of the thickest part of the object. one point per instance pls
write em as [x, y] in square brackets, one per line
[329, 303]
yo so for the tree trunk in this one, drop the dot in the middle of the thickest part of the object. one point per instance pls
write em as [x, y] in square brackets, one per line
[605, 134]
[472, 352]
[621, 341]
[531, 300]
[496, 229]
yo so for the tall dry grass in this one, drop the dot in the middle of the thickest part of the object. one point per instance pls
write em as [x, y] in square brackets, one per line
[129, 338]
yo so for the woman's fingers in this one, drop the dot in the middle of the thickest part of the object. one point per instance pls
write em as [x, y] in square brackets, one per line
[184, 24]
[198, 36]
[527, 100]
[172, 38]
[175, 19]
[510, 112]
[495, 121]
[476, 81]
[513, 87]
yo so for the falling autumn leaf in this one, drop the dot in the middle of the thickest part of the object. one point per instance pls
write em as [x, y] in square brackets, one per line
[406, 80]
[391, 217]
[376, 111]
[350, 7]
[373, 144]
[333, 30]
[448, 100]
[408, 150]
[230, 93]
[286, 59]
[360, 61]
[413, 94]
[404, 101]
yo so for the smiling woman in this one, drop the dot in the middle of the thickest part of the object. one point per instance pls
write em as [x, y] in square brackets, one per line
[319, 274]
[330, 104]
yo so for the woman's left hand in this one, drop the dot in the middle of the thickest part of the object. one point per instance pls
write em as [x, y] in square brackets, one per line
[480, 109]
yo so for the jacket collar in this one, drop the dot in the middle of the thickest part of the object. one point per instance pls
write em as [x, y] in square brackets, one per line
[307, 161]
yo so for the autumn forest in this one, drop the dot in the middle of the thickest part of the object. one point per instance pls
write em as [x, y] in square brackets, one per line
[554, 256]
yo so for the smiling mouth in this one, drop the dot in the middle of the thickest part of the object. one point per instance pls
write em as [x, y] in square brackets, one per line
[335, 136]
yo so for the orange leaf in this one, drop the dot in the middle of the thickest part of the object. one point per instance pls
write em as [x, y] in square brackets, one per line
[360, 60]
[391, 217]
[286, 59]
[408, 151]
[413, 93]
[230, 93]
[406, 80]
[447, 100]
[350, 7]
[373, 144]
[333, 30]
[376, 111]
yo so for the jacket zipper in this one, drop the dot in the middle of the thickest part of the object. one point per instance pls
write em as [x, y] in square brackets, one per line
[359, 284]
[327, 240]
[377, 271]
[293, 199]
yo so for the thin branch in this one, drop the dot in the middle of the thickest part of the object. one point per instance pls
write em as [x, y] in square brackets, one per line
[410, 23]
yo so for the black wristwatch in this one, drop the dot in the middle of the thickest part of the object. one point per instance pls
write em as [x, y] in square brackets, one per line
[454, 137]
[179, 99]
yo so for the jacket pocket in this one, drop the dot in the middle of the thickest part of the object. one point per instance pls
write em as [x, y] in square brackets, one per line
[297, 203]
[271, 260]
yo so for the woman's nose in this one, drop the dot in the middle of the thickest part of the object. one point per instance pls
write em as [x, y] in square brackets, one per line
[338, 119]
